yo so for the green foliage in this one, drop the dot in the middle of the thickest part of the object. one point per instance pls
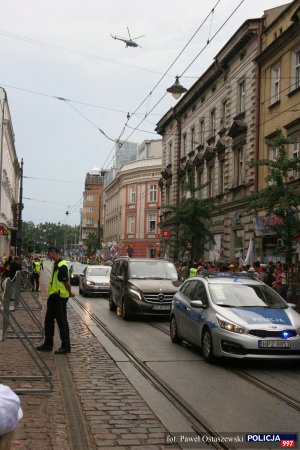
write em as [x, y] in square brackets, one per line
[190, 218]
[278, 198]
[37, 238]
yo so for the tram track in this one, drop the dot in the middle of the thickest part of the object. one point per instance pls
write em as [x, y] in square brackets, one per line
[251, 379]
[197, 422]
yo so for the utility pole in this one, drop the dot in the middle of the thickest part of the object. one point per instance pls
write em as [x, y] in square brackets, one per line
[19, 232]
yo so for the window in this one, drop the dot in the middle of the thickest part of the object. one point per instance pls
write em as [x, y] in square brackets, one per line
[201, 293]
[90, 209]
[169, 159]
[275, 83]
[152, 223]
[193, 142]
[295, 69]
[239, 166]
[273, 155]
[224, 114]
[242, 95]
[199, 182]
[221, 175]
[89, 221]
[184, 144]
[90, 198]
[202, 132]
[132, 196]
[152, 197]
[293, 154]
[210, 180]
[212, 122]
[189, 288]
[238, 243]
[131, 220]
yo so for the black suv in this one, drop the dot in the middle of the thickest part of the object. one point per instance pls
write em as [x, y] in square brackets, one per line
[142, 286]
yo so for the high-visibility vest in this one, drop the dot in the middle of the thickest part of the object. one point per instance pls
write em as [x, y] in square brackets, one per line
[55, 286]
[193, 272]
[36, 267]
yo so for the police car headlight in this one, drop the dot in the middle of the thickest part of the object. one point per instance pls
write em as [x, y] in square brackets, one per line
[229, 326]
[135, 293]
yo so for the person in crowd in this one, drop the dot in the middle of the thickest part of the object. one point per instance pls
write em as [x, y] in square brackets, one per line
[59, 291]
[264, 276]
[14, 266]
[193, 269]
[257, 267]
[10, 414]
[35, 274]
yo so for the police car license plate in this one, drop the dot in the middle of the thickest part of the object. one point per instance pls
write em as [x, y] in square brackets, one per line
[274, 344]
[162, 307]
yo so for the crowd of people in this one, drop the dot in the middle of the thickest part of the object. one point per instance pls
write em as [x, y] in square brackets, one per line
[273, 274]
[30, 264]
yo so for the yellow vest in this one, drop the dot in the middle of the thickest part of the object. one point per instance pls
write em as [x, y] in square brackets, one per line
[55, 286]
[36, 267]
[193, 272]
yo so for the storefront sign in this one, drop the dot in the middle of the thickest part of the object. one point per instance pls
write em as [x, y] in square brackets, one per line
[263, 225]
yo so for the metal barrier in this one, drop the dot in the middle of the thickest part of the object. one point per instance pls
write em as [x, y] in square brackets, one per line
[12, 328]
[22, 283]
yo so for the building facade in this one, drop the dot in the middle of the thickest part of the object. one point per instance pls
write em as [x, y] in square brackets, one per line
[279, 64]
[131, 203]
[9, 179]
[209, 136]
[92, 208]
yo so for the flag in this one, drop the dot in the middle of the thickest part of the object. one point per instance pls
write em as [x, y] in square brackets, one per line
[250, 253]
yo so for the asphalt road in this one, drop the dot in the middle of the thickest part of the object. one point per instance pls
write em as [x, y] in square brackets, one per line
[228, 403]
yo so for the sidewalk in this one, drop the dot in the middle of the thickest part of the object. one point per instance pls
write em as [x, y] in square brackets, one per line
[92, 406]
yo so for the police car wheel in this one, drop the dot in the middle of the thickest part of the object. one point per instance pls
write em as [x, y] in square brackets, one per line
[174, 332]
[207, 346]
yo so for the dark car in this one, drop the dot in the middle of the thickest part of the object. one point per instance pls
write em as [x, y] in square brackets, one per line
[75, 270]
[142, 286]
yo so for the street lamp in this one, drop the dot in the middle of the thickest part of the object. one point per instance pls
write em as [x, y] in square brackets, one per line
[176, 90]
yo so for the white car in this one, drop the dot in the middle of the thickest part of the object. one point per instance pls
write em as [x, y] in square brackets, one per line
[235, 315]
[95, 280]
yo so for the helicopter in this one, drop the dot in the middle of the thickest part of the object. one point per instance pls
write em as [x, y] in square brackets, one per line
[128, 42]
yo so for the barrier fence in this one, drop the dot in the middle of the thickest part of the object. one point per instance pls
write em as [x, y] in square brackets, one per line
[17, 310]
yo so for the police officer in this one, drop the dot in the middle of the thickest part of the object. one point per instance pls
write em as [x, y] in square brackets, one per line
[59, 291]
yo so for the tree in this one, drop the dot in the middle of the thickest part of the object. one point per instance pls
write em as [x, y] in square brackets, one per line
[92, 243]
[278, 198]
[190, 218]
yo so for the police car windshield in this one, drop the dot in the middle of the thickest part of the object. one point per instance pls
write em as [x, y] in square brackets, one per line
[245, 296]
[155, 270]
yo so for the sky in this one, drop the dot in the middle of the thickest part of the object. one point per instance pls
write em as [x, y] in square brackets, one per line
[70, 85]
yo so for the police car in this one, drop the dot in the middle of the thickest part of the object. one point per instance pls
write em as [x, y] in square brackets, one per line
[234, 315]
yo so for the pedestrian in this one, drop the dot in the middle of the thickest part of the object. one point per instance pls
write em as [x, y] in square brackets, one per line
[10, 414]
[35, 274]
[59, 290]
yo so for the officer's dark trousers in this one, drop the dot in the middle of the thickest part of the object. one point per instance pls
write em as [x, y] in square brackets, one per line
[35, 281]
[57, 310]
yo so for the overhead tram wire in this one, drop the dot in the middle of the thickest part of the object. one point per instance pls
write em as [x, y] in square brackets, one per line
[197, 56]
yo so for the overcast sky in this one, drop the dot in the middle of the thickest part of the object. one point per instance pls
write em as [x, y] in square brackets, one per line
[63, 49]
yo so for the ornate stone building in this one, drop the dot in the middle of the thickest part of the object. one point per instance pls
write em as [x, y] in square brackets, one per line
[209, 136]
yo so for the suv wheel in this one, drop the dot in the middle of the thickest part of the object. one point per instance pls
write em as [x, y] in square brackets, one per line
[207, 346]
[174, 332]
[112, 306]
